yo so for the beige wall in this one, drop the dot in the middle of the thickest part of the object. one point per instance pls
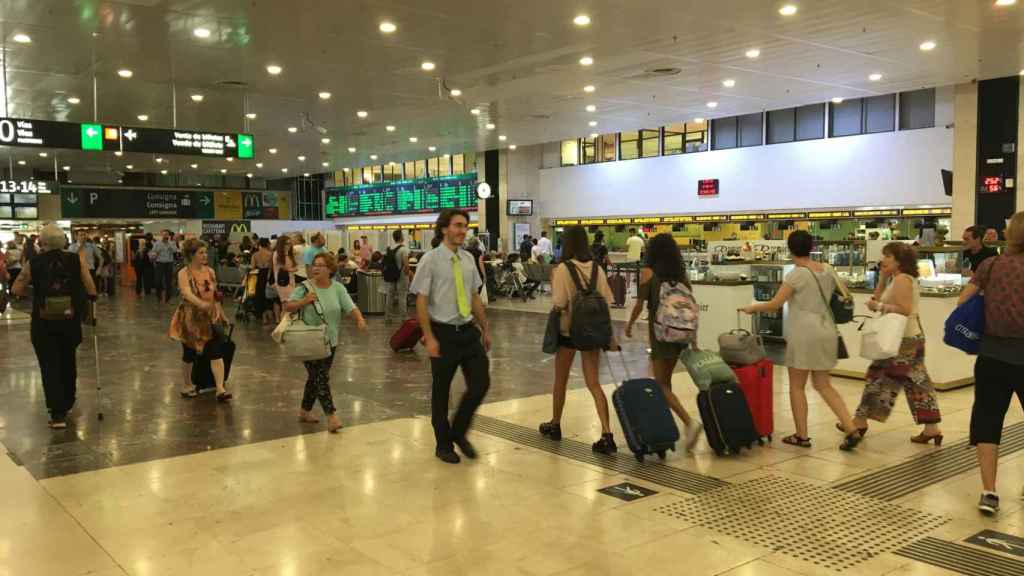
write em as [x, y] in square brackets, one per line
[965, 157]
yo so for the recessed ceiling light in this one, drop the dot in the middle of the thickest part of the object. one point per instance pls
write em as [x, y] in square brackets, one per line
[728, 82]
[193, 166]
[592, 123]
[325, 164]
[698, 120]
[201, 32]
[875, 77]
[164, 172]
[274, 69]
[1005, 2]
[284, 170]
[325, 140]
[125, 73]
[259, 164]
[22, 38]
[74, 100]
[362, 113]
[43, 154]
[512, 146]
[346, 169]
[712, 104]
[390, 128]
[118, 153]
[591, 108]
[272, 150]
[428, 66]
[292, 129]
[455, 92]
[928, 46]
[432, 148]
[387, 27]
[581, 20]
[129, 167]
[198, 97]
[837, 100]
[251, 115]
[447, 156]
[21, 162]
[589, 88]
[324, 95]
[413, 139]
[502, 137]
[373, 156]
[302, 158]
[586, 61]
[594, 134]
[475, 111]
[305, 174]
[223, 170]
[143, 117]
[753, 53]
[248, 175]
[230, 159]
[392, 164]
[788, 10]
[159, 160]
[351, 150]
[491, 126]
[67, 168]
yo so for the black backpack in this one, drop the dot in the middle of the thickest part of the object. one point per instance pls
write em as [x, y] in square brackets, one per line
[58, 292]
[591, 327]
[392, 268]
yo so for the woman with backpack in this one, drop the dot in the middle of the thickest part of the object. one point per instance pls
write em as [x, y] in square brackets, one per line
[61, 285]
[578, 276]
[665, 290]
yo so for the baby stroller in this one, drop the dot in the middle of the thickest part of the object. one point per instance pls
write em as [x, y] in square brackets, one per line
[511, 282]
[247, 304]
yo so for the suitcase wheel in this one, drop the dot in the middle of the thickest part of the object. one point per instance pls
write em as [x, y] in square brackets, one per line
[661, 454]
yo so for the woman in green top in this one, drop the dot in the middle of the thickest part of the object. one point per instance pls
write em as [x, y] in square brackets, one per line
[664, 264]
[333, 300]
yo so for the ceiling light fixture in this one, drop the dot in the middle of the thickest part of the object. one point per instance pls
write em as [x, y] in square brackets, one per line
[325, 140]
[413, 139]
[193, 166]
[259, 164]
[302, 158]
[586, 61]
[428, 66]
[373, 156]
[594, 134]
[201, 32]
[591, 108]
[223, 170]
[432, 148]
[875, 77]
[118, 153]
[230, 159]
[129, 167]
[143, 117]
[475, 111]
[788, 10]
[325, 164]
[43, 154]
[390, 128]
[125, 73]
[284, 170]
[324, 95]
[592, 123]
[159, 160]
[248, 175]
[251, 115]
[712, 104]
[753, 53]
[274, 69]
[198, 97]
[589, 88]
[164, 172]
[491, 126]
[272, 150]
[74, 100]
[351, 150]
[1005, 2]
[455, 92]
[305, 174]
[387, 27]
[928, 46]
[512, 146]
[502, 137]
[362, 113]
[22, 38]
[837, 100]
[728, 82]
[67, 168]
[581, 20]
[292, 129]
[21, 162]
[698, 120]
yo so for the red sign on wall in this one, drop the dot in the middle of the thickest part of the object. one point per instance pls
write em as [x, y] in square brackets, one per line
[992, 184]
[707, 187]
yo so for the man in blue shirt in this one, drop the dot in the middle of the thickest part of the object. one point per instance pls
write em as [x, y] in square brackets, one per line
[316, 246]
[87, 251]
[163, 256]
[455, 331]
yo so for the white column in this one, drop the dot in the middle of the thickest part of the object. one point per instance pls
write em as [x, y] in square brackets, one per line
[965, 157]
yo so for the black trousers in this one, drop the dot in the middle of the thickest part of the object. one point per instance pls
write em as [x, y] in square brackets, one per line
[55, 350]
[164, 280]
[995, 383]
[461, 347]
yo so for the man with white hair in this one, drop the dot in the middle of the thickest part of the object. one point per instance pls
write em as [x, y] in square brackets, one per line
[61, 291]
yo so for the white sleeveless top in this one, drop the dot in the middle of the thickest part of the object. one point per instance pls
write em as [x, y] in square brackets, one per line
[914, 320]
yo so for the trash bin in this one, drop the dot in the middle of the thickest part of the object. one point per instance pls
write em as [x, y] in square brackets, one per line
[371, 298]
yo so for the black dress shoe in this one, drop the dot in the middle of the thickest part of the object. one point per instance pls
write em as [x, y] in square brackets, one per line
[448, 456]
[466, 448]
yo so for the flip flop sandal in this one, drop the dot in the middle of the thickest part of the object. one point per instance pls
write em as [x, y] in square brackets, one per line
[794, 440]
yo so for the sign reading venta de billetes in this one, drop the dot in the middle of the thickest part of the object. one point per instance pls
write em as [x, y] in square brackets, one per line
[87, 202]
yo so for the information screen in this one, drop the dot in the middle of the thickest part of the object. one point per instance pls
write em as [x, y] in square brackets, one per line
[19, 199]
[403, 197]
[520, 207]
[707, 187]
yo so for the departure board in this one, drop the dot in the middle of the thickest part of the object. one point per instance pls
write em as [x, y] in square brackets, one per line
[403, 196]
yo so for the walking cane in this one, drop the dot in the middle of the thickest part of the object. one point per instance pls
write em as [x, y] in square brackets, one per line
[96, 350]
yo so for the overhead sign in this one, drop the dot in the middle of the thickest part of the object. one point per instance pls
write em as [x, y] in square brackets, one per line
[26, 186]
[252, 204]
[707, 187]
[1006, 543]
[86, 202]
[403, 196]
[226, 227]
[757, 217]
[97, 137]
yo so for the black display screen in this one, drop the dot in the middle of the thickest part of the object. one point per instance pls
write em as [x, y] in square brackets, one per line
[403, 197]
[40, 133]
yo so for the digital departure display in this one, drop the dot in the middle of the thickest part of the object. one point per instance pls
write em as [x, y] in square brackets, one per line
[992, 184]
[403, 196]
[707, 187]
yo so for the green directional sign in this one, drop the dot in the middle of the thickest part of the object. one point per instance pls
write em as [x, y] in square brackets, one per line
[203, 208]
[92, 137]
[245, 146]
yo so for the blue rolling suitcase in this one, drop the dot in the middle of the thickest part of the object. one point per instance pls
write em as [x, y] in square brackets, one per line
[645, 416]
[728, 423]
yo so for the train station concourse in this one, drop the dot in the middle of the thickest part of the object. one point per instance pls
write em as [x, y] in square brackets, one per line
[368, 287]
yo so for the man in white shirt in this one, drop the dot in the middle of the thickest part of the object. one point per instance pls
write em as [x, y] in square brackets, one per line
[546, 249]
[634, 246]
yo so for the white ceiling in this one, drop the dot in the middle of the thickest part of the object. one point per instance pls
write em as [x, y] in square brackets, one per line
[516, 60]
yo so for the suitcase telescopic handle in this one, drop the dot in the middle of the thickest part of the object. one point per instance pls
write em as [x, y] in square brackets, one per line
[611, 372]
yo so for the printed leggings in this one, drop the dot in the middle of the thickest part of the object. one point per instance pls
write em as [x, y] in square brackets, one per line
[318, 384]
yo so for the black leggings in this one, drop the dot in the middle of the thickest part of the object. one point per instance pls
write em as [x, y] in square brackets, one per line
[318, 384]
[995, 383]
[55, 350]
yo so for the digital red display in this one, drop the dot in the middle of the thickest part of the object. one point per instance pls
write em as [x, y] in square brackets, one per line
[707, 187]
[992, 184]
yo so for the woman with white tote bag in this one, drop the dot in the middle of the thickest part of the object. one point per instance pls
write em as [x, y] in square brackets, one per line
[897, 298]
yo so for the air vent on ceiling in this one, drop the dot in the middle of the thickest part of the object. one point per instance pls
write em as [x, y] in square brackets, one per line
[233, 84]
[656, 73]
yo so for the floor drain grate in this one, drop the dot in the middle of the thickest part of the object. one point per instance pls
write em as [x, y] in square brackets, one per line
[650, 471]
[826, 527]
[923, 471]
[960, 558]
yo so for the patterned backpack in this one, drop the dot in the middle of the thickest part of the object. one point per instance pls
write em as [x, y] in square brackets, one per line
[677, 316]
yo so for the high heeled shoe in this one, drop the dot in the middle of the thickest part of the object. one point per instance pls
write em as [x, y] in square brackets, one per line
[923, 438]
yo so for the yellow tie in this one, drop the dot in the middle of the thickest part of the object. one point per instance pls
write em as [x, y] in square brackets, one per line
[460, 287]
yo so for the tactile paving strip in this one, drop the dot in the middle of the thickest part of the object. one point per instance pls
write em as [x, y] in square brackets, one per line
[961, 559]
[920, 472]
[651, 471]
[832, 529]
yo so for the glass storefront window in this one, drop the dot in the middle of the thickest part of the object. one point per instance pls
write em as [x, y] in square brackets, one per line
[571, 152]
[588, 150]
[445, 166]
[367, 175]
[392, 172]
[459, 164]
[433, 166]
[607, 152]
[470, 162]
[378, 174]
[409, 170]
[638, 144]
[421, 168]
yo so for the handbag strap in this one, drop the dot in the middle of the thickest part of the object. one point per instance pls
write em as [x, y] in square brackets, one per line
[828, 305]
[316, 303]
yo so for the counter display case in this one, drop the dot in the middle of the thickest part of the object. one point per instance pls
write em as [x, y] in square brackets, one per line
[767, 281]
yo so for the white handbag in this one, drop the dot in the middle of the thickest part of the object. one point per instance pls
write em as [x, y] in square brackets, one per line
[304, 342]
[881, 337]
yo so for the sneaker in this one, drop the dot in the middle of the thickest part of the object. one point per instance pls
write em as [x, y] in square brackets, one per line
[693, 430]
[551, 430]
[606, 445]
[989, 503]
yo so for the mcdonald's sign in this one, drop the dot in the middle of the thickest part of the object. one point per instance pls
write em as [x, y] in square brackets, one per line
[226, 227]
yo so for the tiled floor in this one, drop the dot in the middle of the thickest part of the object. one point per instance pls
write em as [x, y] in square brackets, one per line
[283, 501]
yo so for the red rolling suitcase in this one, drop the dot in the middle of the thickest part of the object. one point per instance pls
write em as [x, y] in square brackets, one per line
[408, 334]
[756, 380]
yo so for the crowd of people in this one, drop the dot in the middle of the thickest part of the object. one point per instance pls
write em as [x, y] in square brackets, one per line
[448, 280]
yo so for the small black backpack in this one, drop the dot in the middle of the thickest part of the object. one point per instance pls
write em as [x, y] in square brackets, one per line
[58, 293]
[591, 326]
[392, 268]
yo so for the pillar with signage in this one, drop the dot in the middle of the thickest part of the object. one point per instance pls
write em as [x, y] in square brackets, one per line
[996, 180]
[492, 202]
